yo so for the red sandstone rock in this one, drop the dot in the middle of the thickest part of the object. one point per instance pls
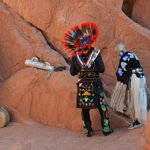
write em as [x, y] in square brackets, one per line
[20, 41]
[28, 93]
[140, 13]
[54, 18]
[146, 136]
[57, 17]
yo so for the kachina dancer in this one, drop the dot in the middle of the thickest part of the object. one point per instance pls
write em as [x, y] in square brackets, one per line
[87, 63]
[129, 95]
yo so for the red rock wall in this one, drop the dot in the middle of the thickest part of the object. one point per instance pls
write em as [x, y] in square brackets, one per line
[127, 7]
[26, 26]
[19, 40]
[146, 137]
[141, 13]
[59, 16]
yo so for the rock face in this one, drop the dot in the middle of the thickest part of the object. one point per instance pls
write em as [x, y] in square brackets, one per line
[140, 13]
[59, 16]
[127, 7]
[35, 28]
[20, 41]
[146, 137]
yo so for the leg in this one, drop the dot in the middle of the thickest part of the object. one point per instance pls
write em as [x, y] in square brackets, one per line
[86, 122]
[105, 123]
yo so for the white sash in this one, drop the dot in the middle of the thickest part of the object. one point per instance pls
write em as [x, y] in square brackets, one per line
[90, 60]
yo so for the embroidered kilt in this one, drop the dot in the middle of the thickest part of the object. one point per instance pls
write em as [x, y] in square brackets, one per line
[88, 93]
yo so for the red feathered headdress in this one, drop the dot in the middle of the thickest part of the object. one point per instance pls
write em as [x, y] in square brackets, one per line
[80, 37]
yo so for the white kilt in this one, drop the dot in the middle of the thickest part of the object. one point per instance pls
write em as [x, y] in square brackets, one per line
[134, 99]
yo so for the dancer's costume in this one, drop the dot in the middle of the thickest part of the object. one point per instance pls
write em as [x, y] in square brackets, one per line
[129, 95]
[87, 63]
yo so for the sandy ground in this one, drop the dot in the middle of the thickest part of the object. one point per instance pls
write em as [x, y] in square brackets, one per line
[18, 136]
